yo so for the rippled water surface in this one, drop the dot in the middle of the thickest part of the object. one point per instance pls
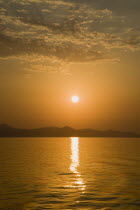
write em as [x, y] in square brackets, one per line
[69, 173]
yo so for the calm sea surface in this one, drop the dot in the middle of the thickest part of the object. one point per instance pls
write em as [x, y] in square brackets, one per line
[69, 173]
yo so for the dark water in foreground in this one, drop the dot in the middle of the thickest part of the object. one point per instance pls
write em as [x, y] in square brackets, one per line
[69, 173]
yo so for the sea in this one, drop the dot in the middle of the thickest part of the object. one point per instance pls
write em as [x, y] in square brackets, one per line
[70, 173]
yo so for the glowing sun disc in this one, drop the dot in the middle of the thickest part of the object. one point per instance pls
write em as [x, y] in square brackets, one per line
[75, 99]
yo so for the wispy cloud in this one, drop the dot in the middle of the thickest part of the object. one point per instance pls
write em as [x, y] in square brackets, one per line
[56, 33]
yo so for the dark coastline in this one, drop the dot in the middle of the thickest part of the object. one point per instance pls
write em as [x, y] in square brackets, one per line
[8, 131]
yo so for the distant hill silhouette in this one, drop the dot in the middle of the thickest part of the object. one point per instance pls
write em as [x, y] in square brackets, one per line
[8, 131]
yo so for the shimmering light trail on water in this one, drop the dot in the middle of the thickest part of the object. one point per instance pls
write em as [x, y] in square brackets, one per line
[75, 162]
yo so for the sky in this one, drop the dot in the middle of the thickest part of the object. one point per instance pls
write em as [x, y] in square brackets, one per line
[51, 50]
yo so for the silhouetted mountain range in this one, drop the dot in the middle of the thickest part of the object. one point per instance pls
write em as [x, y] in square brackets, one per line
[8, 131]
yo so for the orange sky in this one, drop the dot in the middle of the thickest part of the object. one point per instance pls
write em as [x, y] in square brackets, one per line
[90, 49]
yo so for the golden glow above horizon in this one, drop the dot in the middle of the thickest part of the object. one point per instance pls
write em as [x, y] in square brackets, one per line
[75, 99]
[75, 163]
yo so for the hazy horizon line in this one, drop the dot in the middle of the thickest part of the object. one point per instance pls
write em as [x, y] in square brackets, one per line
[67, 126]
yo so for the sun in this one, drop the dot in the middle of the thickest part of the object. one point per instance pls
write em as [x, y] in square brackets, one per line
[75, 99]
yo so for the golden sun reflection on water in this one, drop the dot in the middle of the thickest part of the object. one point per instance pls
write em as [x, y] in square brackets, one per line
[79, 182]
